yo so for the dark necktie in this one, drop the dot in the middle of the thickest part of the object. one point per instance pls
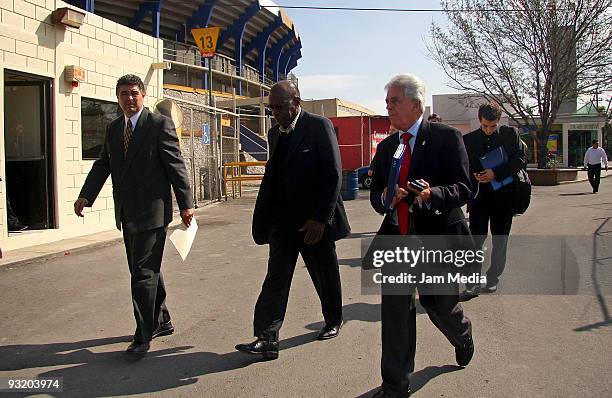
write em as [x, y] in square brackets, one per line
[403, 213]
[127, 136]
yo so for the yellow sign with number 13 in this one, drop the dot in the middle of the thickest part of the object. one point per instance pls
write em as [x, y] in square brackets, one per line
[206, 39]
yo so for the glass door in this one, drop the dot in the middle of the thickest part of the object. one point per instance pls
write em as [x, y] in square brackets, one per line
[27, 142]
[578, 142]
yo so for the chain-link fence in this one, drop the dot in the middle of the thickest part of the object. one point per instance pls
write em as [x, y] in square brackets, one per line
[209, 138]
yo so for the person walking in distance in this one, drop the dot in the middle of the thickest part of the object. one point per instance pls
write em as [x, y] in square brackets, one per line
[593, 158]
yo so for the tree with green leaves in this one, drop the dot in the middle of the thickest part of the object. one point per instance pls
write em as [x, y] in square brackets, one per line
[528, 55]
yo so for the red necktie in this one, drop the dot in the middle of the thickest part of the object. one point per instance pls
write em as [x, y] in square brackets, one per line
[403, 214]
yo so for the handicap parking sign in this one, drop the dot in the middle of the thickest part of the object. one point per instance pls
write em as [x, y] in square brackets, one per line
[205, 134]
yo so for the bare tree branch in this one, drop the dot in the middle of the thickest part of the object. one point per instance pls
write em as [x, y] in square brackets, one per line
[528, 55]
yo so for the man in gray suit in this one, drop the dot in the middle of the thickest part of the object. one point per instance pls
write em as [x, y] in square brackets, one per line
[141, 153]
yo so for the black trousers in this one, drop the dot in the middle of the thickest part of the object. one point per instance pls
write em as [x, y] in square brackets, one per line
[494, 209]
[399, 332]
[144, 254]
[322, 265]
[594, 173]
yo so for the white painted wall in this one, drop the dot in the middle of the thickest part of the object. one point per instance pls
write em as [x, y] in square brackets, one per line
[29, 42]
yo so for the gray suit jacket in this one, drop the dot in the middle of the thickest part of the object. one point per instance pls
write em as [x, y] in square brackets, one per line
[142, 179]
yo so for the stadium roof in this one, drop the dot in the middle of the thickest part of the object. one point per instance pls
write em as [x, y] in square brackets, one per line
[250, 27]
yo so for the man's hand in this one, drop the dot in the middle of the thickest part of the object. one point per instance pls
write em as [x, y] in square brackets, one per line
[314, 231]
[485, 176]
[425, 194]
[400, 194]
[79, 205]
[187, 215]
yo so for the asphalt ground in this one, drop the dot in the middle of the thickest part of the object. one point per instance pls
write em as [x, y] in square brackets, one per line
[71, 317]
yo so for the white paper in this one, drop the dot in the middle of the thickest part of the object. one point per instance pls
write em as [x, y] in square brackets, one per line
[183, 237]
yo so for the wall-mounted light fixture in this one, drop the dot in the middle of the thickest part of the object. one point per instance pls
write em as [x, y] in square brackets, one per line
[68, 17]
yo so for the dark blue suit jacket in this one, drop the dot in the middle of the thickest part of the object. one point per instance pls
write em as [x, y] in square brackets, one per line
[439, 157]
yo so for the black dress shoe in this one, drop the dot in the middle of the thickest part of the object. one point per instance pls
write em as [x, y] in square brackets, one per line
[469, 293]
[267, 348]
[464, 354]
[382, 394]
[330, 331]
[137, 348]
[163, 329]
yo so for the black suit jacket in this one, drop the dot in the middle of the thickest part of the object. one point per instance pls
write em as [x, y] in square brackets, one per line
[439, 157]
[142, 179]
[315, 177]
[507, 137]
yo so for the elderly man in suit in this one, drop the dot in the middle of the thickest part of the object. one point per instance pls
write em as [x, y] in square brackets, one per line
[298, 211]
[141, 154]
[436, 158]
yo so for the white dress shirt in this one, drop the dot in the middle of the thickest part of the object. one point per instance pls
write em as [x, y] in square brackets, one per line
[292, 125]
[595, 156]
[413, 131]
[134, 119]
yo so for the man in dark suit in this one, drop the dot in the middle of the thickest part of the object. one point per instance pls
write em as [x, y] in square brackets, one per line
[142, 155]
[436, 158]
[298, 211]
[486, 205]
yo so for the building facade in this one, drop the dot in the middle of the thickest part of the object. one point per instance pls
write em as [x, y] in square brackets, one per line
[59, 65]
[568, 139]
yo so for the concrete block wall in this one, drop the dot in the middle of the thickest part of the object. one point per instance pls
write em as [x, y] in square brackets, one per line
[30, 43]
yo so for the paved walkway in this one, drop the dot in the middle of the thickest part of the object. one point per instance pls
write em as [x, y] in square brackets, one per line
[70, 316]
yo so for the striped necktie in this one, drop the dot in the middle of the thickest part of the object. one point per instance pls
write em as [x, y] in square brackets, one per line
[127, 136]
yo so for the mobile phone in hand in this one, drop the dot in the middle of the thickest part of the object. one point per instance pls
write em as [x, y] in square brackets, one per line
[417, 185]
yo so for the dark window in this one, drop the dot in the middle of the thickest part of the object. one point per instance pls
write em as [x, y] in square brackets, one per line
[95, 116]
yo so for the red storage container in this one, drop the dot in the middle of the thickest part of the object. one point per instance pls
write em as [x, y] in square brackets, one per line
[358, 137]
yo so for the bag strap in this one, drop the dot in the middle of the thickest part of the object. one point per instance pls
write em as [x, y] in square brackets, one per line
[521, 144]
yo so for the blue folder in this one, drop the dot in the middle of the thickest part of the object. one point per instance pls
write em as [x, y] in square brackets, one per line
[495, 158]
[396, 164]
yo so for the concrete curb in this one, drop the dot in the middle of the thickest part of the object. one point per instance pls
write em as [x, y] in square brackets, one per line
[43, 257]
[584, 179]
[56, 253]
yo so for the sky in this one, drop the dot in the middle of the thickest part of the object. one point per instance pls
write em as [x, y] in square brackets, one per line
[352, 54]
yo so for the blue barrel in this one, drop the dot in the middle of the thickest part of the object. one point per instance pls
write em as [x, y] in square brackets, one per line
[350, 185]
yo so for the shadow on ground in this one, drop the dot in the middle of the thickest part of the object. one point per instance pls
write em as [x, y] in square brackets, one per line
[100, 374]
[364, 312]
[421, 377]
